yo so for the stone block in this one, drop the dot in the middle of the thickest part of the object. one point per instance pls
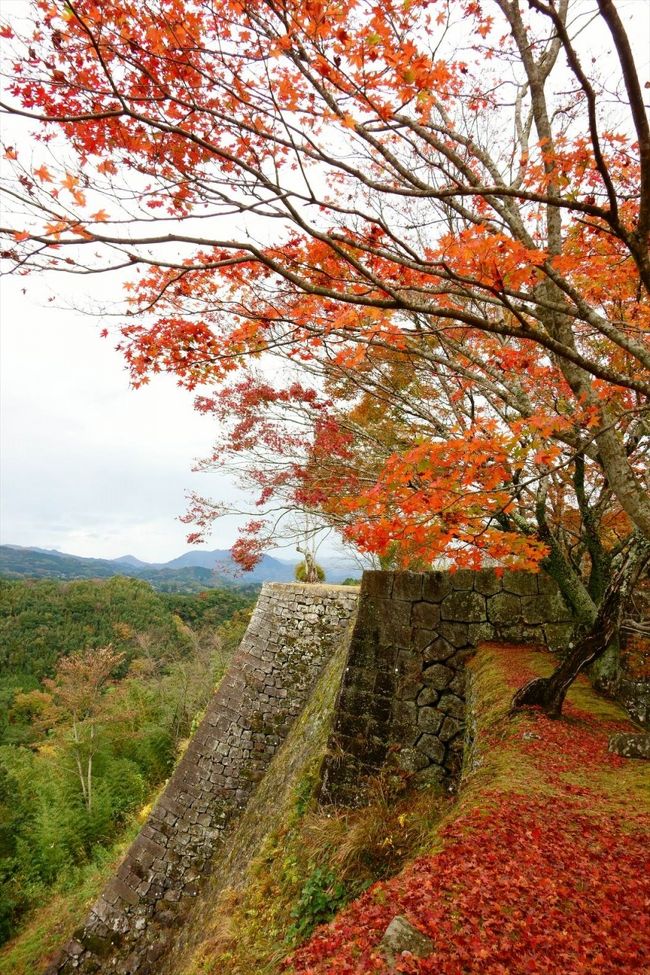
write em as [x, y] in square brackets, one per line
[510, 634]
[425, 615]
[375, 751]
[408, 663]
[410, 759]
[464, 607]
[156, 951]
[520, 583]
[392, 611]
[102, 908]
[462, 579]
[75, 948]
[422, 639]
[458, 684]
[408, 586]
[432, 775]
[383, 682]
[99, 945]
[547, 608]
[172, 805]
[429, 719]
[432, 747]
[132, 871]
[350, 720]
[545, 584]
[435, 586]
[383, 657]
[354, 745]
[450, 728]
[454, 760]
[398, 635]
[404, 718]
[487, 582]
[533, 634]
[116, 890]
[401, 936]
[376, 583]
[456, 747]
[427, 696]
[634, 695]
[455, 633]
[408, 688]
[381, 709]
[631, 745]
[437, 676]
[453, 705]
[438, 651]
[480, 633]
[557, 636]
[504, 609]
[148, 846]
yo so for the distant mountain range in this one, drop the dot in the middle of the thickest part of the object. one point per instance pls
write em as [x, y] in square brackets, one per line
[194, 570]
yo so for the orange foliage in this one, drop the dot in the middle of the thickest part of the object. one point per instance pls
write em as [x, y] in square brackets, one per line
[423, 181]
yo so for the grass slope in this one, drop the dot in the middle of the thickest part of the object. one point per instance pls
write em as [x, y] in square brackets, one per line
[543, 866]
[290, 863]
[51, 925]
[539, 866]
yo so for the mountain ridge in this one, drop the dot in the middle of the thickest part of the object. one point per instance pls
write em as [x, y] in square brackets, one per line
[191, 571]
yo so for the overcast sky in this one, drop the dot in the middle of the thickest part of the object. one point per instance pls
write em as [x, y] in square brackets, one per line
[88, 465]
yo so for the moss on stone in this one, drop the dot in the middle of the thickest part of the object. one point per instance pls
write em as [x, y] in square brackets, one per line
[244, 923]
[282, 798]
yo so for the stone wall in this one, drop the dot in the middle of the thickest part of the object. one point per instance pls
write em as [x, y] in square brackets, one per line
[293, 632]
[402, 701]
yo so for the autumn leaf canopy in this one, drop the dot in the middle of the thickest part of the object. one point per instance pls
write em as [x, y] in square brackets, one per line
[434, 214]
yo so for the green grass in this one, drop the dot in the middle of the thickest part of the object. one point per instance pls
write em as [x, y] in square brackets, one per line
[304, 860]
[307, 869]
[47, 928]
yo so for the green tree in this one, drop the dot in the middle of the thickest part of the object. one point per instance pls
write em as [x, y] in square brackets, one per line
[73, 708]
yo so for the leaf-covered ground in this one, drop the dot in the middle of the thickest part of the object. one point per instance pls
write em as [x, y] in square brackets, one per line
[545, 869]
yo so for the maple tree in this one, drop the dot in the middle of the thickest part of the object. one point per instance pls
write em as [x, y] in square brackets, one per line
[445, 183]
[442, 454]
[411, 458]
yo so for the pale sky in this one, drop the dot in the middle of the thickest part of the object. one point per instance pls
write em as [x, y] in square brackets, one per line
[88, 465]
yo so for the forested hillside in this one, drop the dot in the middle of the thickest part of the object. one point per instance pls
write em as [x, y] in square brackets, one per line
[191, 573]
[43, 620]
[100, 683]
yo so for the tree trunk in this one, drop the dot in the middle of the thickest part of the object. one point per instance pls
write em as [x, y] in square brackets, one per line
[311, 572]
[77, 758]
[548, 693]
[90, 767]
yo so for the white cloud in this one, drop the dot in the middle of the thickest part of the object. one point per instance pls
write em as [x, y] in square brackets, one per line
[89, 465]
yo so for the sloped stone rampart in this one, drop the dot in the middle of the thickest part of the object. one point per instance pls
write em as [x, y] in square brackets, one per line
[293, 632]
[402, 702]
